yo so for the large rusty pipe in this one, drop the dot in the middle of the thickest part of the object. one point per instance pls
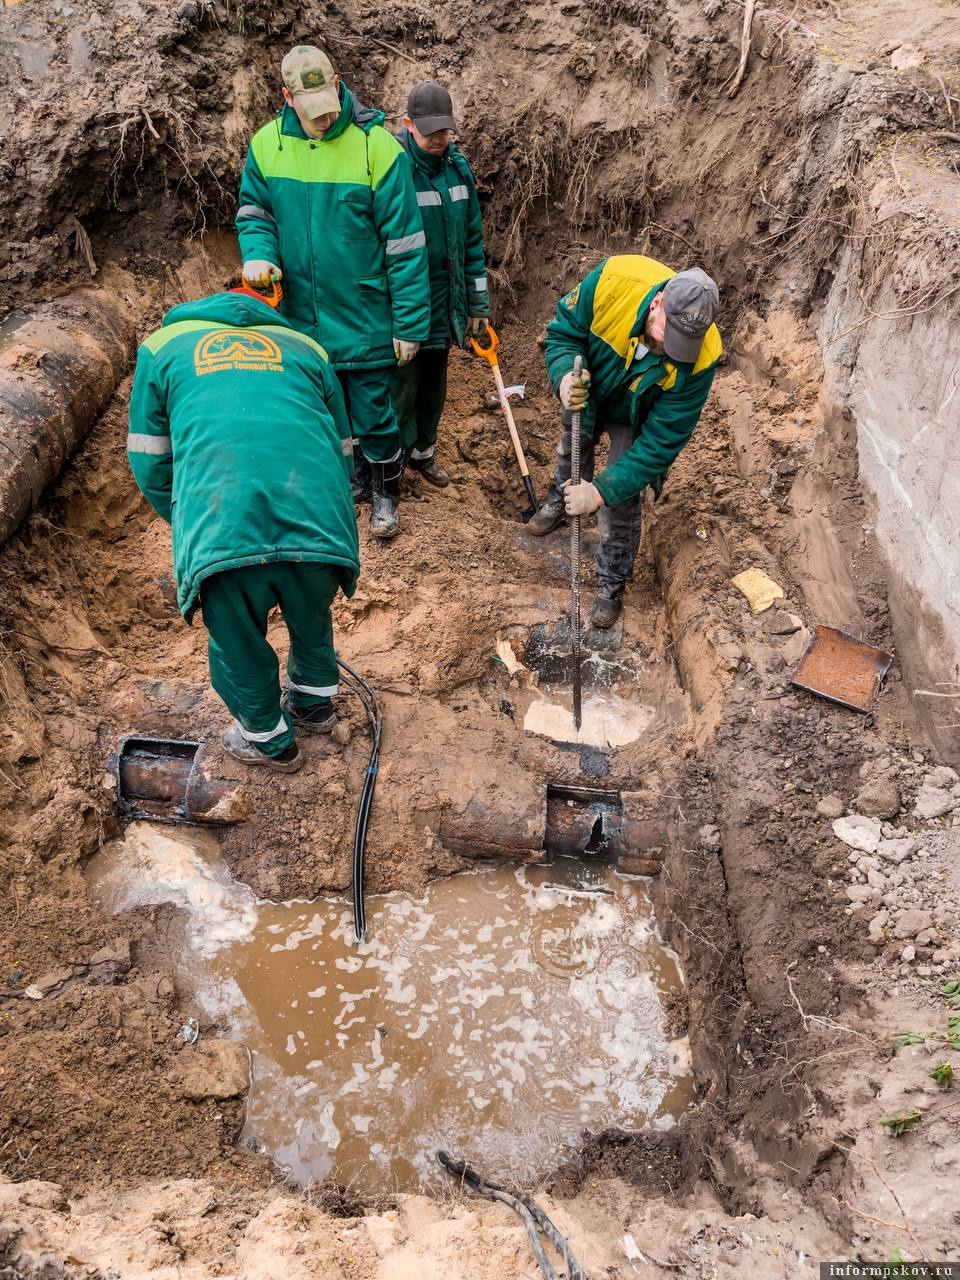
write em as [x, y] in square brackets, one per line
[60, 363]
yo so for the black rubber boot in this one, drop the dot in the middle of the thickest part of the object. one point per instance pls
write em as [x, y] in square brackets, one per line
[384, 521]
[548, 518]
[607, 607]
[361, 477]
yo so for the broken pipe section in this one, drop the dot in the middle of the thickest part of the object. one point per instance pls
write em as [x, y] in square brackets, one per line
[60, 363]
[612, 826]
[168, 780]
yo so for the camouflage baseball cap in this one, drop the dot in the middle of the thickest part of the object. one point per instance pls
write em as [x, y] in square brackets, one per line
[691, 302]
[309, 75]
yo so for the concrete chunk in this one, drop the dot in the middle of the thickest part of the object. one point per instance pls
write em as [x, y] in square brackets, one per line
[858, 832]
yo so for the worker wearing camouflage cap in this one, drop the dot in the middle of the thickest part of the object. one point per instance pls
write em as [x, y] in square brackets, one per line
[459, 301]
[327, 202]
[649, 347]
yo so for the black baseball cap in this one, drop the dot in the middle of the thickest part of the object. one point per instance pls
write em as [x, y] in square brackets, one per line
[430, 108]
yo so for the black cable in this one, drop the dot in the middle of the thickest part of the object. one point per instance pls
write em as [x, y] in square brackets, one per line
[368, 699]
[530, 1214]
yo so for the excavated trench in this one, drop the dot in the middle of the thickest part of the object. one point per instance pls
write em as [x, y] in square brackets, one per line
[603, 925]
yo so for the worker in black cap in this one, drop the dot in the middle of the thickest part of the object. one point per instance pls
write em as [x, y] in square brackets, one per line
[460, 303]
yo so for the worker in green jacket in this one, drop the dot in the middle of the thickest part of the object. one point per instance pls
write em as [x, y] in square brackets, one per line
[327, 202]
[649, 347]
[459, 301]
[239, 439]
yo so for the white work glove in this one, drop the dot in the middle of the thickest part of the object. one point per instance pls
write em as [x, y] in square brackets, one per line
[476, 325]
[574, 393]
[405, 351]
[259, 271]
[581, 499]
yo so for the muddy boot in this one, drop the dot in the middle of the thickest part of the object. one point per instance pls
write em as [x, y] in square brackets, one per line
[431, 470]
[361, 478]
[384, 521]
[237, 744]
[319, 719]
[607, 607]
[548, 517]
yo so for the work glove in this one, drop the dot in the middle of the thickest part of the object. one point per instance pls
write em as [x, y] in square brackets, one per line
[581, 499]
[574, 393]
[260, 272]
[476, 325]
[405, 351]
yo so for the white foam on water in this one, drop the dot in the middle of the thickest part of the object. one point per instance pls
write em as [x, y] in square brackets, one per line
[149, 867]
[498, 1017]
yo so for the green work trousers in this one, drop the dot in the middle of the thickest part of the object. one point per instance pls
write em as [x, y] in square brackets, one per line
[373, 418]
[419, 392]
[244, 669]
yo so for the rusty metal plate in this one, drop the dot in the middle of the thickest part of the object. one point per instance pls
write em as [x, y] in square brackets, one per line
[842, 668]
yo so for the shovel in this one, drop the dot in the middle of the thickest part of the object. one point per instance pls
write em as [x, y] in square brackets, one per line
[489, 353]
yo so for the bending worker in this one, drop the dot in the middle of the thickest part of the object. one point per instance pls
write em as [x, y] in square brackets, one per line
[327, 202]
[239, 439]
[459, 301]
[650, 348]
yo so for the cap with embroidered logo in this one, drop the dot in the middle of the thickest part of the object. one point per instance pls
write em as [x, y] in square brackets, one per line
[309, 75]
[691, 303]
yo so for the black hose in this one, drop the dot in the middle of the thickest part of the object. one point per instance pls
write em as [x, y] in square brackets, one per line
[530, 1213]
[368, 699]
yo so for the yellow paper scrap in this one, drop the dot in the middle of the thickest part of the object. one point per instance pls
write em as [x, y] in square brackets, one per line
[760, 590]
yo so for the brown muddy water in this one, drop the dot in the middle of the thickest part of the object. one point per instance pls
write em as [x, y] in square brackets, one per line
[499, 1016]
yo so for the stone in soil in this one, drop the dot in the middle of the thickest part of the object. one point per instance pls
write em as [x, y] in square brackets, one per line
[858, 832]
[830, 807]
[879, 799]
[211, 1069]
[933, 803]
[896, 851]
[912, 921]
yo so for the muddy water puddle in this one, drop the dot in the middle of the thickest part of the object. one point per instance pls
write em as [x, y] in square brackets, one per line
[498, 1016]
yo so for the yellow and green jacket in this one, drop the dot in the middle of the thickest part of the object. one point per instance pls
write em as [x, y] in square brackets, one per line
[447, 196]
[239, 439]
[602, 320]
[339, 216]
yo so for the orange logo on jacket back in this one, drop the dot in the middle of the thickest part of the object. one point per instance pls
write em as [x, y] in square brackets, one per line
[237, 349]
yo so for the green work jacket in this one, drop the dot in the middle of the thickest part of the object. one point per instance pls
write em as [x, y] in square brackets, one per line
[603, 321]
[447, 196]
[339, 216]
[239, 438]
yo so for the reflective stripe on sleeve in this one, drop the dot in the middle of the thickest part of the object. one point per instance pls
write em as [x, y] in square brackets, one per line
[254, 211]
[459, 193]
[140, 442]
[263, 737]
[318, 690]
[429, 197]
[480, 284]
[406, 244]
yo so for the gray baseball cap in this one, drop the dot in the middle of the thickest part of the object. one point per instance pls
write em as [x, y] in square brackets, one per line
[430, 108]
[691, 302]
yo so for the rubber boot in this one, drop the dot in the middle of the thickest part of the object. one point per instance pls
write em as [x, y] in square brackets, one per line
[431, 470]
[607, 607]
[548, 517]
[384, 521]
[361, 477]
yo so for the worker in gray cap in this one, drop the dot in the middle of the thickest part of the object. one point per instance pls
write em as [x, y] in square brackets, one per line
[649, 349]
[459, 301]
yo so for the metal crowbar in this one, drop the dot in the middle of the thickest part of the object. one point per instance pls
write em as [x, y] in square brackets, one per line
[489, 354]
